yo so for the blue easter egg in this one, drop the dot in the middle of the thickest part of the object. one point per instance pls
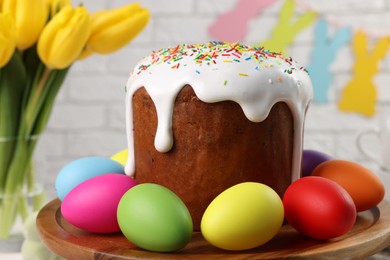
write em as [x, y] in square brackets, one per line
[83, 169]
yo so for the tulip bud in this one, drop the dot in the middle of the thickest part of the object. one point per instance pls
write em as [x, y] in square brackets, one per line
[113, 29]
[7, 38]
[55, 6]
[64, 37]
[30, 17]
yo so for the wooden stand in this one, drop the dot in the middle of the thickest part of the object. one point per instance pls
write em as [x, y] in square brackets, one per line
[370, 234]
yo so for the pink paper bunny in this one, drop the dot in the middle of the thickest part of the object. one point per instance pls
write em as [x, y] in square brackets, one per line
[233, 25]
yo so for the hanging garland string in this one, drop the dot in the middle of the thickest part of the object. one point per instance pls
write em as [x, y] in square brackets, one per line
[359, 95]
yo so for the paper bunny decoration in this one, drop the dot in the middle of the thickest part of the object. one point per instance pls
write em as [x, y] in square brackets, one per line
[323, 54]
[233, 25]
[360, 93]
[286, 29]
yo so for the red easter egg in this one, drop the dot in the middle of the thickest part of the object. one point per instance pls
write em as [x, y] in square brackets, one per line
[319, 208]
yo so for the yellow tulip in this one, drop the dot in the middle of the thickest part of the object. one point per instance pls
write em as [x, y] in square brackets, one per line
[85, 53]
[113, 29]
[55, 6]
[7, 38]
[64, 37]
[30, 17]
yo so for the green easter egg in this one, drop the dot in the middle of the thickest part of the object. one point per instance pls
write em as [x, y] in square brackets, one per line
[154, 218]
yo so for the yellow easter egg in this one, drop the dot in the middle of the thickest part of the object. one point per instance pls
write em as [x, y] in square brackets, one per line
[242, 217]
[120, 157]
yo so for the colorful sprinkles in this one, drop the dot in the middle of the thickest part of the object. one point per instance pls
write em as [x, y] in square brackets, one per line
[212, 52]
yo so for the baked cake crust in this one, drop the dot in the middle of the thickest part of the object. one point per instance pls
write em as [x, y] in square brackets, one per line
[201, 118]
[215, 147]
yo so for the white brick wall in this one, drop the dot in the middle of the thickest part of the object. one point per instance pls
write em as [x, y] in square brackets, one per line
[88, 119]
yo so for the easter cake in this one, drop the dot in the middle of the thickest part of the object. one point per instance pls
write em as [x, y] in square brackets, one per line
[202, 118]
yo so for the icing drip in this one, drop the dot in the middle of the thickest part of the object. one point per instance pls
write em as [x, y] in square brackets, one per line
[253, 77]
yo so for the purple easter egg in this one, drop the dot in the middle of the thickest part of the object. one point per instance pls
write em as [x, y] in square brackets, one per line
[311, 159]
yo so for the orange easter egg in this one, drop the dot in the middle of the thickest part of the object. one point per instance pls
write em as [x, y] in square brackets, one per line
[365, 188]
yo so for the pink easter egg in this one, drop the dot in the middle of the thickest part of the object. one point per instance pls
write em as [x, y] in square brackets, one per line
[92, 205]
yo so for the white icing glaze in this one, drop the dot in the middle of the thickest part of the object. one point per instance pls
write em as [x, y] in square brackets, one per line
[254, 78]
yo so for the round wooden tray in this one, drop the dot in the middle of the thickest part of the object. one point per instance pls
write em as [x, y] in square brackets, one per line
[370, 234]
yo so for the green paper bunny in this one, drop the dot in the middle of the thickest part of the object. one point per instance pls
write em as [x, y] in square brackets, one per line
[287, 29]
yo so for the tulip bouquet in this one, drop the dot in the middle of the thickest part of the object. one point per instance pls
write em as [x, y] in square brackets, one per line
[39, 42]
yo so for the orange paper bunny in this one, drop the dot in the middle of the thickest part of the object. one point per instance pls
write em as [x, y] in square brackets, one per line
[360, 93]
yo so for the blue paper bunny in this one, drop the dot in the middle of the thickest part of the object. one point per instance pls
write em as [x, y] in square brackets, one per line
[323, 54]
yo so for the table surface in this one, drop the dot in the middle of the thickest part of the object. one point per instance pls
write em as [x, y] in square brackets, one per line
[369, 235]
[11, 256]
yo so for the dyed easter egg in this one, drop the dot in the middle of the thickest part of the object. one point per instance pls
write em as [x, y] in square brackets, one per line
[154, 218]
[120, 157]
[319, 208]
[244, 216]
[311, 159]
[365, 188]
[83, 169]
[92, 205]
